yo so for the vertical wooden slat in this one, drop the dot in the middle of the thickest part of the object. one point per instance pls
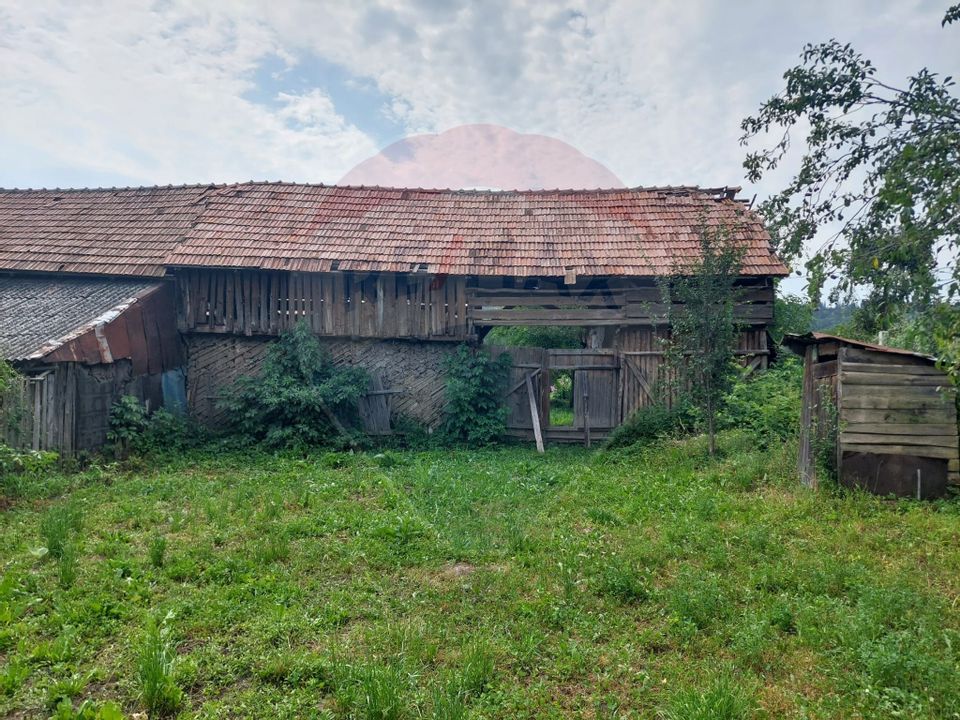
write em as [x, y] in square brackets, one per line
[242, 299]
[272, 303]
[253, 315]
[326, 294]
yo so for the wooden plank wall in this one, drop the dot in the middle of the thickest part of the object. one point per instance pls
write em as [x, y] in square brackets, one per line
[525, 360]
[895, 405]
[611, 301]
[249, 302]
[643, 350]
[67, 404]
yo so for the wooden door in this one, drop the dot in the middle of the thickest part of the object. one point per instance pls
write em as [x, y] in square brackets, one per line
[596, 386]
[532, 362]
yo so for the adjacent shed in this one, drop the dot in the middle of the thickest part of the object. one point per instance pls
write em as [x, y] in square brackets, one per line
[884, 419]
[81, 343]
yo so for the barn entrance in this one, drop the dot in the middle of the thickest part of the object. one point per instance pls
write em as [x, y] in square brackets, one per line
[595, 394]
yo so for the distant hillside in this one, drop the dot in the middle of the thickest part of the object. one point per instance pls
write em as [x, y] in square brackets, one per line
[827, 317]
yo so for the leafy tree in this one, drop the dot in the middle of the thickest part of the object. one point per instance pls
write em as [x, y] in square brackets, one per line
[11, 401]
[880, 171]
[299, 397]
[700, 297]
[476, 413]
[537, 336]
[791, 314]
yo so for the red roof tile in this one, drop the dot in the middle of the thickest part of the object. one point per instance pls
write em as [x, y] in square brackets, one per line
[320, 228]
[126, 231]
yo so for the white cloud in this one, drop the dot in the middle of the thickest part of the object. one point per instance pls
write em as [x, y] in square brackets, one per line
[654, 90]
[157, 94]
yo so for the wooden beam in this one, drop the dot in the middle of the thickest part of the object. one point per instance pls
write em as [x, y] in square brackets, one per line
[945, 453]
[534, 413]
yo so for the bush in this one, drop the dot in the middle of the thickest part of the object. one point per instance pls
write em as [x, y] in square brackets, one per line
[767, 403]
[652, 423]
[134, 430]
[300, 397]
[476, 413]
[128, 421]
[17, 466]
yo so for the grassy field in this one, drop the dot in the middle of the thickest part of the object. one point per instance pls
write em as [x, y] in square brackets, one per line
[652, 583]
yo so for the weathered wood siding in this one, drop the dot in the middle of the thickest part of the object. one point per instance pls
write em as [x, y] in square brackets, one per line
[144, 333]
[881, 405]
[389, 305]
[643, 351]
[66, 406]
[895, 405]
[599, 302]
[414, 369]
[383, 305]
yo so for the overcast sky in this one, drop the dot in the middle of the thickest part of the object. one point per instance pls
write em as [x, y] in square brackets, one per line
[132, 93]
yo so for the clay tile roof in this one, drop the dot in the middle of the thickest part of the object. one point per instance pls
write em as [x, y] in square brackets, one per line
[126, 231]
[317, 228]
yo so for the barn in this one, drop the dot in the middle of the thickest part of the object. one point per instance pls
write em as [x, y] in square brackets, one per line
[880, 418]
[390, 279]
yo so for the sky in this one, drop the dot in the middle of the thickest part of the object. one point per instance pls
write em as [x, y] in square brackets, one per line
[142, 93]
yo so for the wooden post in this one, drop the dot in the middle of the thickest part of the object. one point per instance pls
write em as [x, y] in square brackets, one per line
[586, 410]
[534, 413]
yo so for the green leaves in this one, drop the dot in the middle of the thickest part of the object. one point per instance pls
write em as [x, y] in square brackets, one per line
[476, 414]
[879, 171]
[701, 298]
[296, 398]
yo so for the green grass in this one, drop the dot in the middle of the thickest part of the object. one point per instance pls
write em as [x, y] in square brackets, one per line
[468, 584]
[561, 416]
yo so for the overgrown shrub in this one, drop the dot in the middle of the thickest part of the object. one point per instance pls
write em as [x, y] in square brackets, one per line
[653, 423]
[27, 462]
[300, 398]
[11, 398]
[128, 421]
[476, 413]
[134, 430]
[767, 403]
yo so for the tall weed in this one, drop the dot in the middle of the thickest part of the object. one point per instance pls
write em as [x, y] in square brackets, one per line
[158, 688]
[58, 524]
[722, 699]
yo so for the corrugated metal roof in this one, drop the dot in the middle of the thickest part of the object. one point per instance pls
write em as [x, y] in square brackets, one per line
[798, 340]
[317, 228]
[127, 231]
[38, 315]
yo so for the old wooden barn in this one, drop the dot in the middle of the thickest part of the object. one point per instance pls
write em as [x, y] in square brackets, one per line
[884, 419]
[389, 279]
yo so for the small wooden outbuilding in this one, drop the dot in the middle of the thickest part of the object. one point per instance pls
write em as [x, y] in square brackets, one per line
[883, 419]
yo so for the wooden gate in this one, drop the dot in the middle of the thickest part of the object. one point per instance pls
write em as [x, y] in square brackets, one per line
[528, 392]
[596, 393]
